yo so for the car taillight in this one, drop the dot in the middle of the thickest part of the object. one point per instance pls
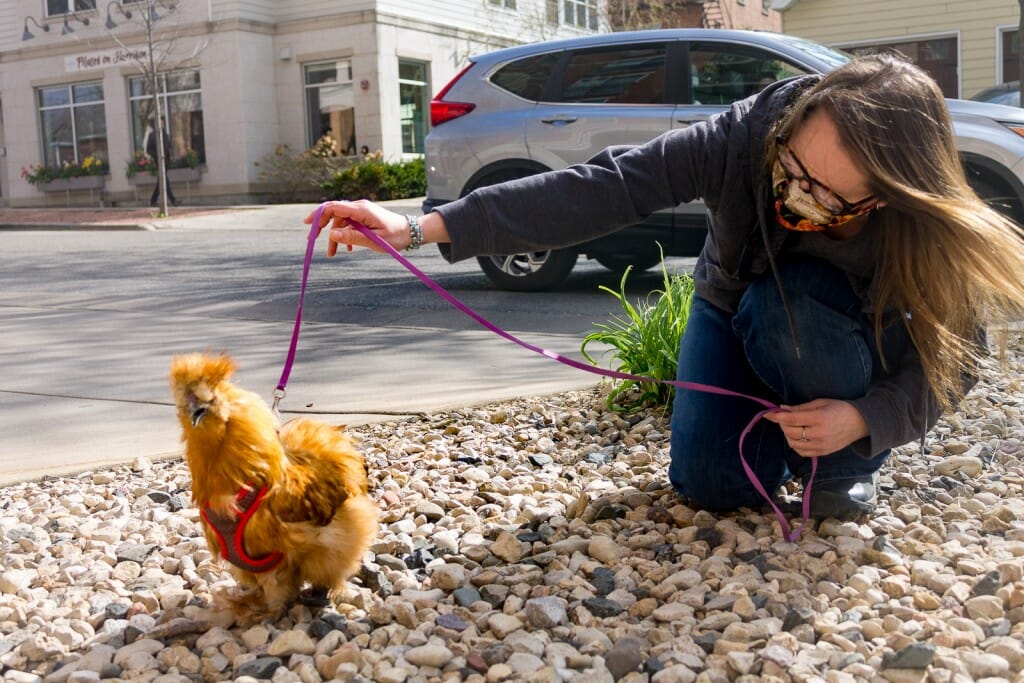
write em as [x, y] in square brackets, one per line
[446, 111]
[441, 111]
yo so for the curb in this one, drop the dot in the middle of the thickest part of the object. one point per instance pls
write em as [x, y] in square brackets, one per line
[26, 227]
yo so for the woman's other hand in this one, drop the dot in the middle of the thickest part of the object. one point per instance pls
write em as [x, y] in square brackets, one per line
[820, 427]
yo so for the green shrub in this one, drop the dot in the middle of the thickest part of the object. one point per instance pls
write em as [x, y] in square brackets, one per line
[298, 175]
[645, 341]
[374, 179]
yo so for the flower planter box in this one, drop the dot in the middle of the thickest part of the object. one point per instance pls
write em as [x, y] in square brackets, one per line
[174, 175]
[85, 182]
[69, 185]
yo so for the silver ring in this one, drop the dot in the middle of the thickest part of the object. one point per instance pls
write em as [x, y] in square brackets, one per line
[803, 434]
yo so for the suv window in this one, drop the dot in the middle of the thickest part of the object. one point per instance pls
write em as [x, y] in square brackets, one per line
[526, 77]
[615, 75]
[722, 73]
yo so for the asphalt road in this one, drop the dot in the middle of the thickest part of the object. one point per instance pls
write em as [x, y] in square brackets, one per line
[90, 319]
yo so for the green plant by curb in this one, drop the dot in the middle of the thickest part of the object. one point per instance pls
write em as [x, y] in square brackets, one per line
[373, 178]
[645, 341]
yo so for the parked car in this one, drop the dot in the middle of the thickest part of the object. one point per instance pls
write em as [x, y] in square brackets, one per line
[544, 106]
[1005, 93]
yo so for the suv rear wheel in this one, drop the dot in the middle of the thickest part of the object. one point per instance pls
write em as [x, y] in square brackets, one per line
[995, 192]
[529, 272]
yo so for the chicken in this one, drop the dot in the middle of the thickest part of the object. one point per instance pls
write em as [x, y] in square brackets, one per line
[286, 505]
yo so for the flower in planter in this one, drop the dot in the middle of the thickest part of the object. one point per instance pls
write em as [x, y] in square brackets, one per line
[38, 174]
[140, 163]
[190, 159]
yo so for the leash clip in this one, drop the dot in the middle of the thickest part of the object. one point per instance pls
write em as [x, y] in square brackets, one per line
[279, 393]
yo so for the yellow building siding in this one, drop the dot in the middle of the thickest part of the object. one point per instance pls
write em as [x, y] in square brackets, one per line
[975, 24]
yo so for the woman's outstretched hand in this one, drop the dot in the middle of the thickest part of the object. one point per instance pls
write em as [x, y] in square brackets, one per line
[391, 227]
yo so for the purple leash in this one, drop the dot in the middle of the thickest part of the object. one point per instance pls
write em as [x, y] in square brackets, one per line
[769, 407]
[279, 392]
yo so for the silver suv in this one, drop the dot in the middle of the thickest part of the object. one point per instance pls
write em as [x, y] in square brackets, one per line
[539, 107]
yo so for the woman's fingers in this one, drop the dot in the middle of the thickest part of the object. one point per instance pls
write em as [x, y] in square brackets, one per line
[339, 216]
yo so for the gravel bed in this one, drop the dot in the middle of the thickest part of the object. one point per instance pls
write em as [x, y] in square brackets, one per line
[538, 540]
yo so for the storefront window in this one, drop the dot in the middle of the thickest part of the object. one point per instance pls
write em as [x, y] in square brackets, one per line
[181, 105]
[58, 7]
[413, 91]
[330, 108]
[74, 123]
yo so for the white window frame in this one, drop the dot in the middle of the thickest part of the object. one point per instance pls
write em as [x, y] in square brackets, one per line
[509, 5]
[1001, 32]
[312, 136]
[425, 85]
[139, 137]
[72, 7]
[589, 8]
[70, 106]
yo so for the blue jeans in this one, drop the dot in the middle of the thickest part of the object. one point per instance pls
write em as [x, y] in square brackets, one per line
[753, 352]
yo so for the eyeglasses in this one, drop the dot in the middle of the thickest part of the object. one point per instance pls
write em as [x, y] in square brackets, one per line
[829, 200]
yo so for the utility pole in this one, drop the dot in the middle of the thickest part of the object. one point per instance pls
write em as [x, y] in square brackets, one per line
[148, 20]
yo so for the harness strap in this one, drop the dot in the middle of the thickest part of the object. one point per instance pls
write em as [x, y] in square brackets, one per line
[231, 531]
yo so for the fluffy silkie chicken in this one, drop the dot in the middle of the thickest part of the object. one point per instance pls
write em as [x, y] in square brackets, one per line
[285, 505]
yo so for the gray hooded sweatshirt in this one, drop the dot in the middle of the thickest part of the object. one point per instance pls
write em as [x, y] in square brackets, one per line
[723, 162]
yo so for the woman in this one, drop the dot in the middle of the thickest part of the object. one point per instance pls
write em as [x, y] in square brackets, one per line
[847, 274]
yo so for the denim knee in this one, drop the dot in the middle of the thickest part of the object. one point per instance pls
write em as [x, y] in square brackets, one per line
[827, 353]
[706, 428]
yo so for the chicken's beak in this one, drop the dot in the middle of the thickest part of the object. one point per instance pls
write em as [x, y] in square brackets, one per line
[196, 409]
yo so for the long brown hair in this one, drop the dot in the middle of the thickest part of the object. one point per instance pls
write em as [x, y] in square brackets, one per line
[948, 263]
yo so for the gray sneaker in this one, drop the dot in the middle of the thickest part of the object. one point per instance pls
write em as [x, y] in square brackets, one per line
[844, 499]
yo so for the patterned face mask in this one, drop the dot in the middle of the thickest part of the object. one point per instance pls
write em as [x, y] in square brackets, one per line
[798, 210]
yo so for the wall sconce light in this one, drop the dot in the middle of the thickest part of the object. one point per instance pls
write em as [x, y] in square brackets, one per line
[27, 35]
[153, 16]
[127, 14]
[66, 29]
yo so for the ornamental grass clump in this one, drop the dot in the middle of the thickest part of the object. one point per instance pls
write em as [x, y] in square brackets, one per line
[645, 341]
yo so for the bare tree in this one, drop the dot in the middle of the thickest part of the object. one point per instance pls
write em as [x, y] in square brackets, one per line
[533, 19]
[629, 15]
[162, 53]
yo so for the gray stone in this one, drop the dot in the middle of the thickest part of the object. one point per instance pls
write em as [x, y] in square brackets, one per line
[914, 656]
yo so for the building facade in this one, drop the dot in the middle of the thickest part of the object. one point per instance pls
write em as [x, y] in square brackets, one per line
[966, 46]
[235, 79]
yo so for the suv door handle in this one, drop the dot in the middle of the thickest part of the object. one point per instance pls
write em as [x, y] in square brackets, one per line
[559, 120]
[696, 118]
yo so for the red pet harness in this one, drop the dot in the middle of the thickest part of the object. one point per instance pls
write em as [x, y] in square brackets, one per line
[230, 530]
